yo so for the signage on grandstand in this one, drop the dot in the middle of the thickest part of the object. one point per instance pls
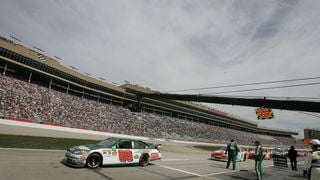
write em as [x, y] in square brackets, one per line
[41, 56]
[264, 113]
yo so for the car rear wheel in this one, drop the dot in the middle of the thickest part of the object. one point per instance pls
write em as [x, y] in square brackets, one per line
[144, 160]
[94, 160]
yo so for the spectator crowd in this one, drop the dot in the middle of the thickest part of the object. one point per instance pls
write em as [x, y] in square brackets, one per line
[21, 99]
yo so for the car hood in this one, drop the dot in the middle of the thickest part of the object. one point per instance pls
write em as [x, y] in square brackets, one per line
[87, 147]
[218, 151]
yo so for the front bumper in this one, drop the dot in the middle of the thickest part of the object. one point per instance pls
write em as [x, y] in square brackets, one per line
[218, 157]
[74, 160]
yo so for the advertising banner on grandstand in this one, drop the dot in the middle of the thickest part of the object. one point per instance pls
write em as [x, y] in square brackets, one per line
[264, 113]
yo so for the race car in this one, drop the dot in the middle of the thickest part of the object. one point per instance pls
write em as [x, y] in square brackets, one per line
[267, 154]
[112, 151]
[279, 152]
[220, 155]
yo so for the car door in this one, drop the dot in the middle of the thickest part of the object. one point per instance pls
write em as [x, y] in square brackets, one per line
[138, 149]
[110, 156]
[124, 149]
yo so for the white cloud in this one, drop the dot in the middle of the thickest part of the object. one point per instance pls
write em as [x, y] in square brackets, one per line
[168, 45]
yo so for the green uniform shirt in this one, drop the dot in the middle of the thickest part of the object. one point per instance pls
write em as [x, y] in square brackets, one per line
[232, 149]
[258, 154]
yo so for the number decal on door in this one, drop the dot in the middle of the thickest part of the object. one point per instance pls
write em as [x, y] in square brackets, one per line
[125, 155]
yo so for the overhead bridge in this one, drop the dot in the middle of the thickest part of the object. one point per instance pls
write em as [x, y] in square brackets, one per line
[307, 106]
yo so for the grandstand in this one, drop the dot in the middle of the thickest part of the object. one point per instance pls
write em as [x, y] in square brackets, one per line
[39, 88]
[311, 133]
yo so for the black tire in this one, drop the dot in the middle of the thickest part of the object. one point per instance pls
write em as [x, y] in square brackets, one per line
[245, 157]
[144, 160]
[94, 160]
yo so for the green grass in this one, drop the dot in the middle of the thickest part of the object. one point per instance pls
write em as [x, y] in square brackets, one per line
[33, 142]
[208, 148]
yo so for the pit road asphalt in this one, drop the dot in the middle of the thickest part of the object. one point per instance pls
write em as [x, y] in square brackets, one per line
[177, 163]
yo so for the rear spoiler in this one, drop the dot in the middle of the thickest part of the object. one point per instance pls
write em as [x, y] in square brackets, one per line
[158, 147]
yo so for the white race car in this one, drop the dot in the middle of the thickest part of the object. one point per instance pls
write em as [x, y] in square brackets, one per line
[112, 151]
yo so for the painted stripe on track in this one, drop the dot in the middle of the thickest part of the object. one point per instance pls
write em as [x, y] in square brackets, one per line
[227, 172]
[179, 170]
[224, 172]
[174, 159]
[195, 174]
[199, 175]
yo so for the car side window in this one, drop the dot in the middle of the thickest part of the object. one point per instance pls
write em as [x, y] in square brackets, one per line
[140, 145]
[124, 145]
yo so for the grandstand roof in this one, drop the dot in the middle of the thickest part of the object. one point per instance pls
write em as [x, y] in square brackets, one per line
[32, 54]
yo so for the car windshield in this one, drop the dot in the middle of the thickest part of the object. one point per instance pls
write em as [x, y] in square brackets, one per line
[277, 150]
[108, 143]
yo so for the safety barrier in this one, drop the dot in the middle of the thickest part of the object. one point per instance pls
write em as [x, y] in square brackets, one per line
[102, 130]
[18, 119]
[50, 123]
[22, 123]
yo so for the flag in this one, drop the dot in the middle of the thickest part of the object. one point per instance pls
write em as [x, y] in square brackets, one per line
[264, 113]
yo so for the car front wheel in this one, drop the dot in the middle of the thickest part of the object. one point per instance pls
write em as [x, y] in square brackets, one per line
[94, 160]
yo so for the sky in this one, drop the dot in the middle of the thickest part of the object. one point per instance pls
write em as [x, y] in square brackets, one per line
[170, 45]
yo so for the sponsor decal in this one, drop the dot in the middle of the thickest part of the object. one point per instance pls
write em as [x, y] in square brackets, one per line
[154, 155]
[107, 152]
[114, 152]
[82, 158]
[145, 151]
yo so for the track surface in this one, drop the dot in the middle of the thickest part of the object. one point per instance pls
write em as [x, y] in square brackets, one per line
[16, 164]
[179, 161]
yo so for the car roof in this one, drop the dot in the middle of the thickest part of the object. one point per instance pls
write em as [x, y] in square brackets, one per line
[123, 139]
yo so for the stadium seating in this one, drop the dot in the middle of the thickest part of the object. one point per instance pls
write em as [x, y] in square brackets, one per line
[20, 99]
